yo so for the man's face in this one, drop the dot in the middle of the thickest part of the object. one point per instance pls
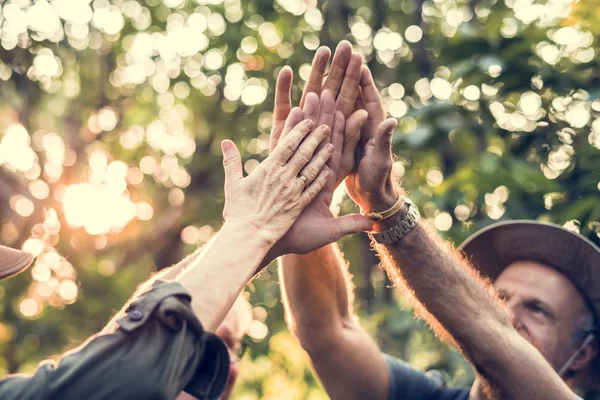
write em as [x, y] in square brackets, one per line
[232, 330]
[544, 307]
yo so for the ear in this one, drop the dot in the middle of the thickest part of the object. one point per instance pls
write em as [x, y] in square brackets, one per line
[586, 356]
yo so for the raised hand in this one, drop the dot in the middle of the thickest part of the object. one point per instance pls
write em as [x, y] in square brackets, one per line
[342, 82]
[371, 184]
[317, 226]
[274, 195]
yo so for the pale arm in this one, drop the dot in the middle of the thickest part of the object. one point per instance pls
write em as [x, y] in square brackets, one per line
[219, 273]
[213, 274]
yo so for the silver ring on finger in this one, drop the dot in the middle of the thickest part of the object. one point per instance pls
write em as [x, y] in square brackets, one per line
[304, 179]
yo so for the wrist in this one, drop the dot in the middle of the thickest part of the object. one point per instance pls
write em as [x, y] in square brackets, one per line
[384, 225]
[278, 250]
[247, 233]
[406, 217]
[381, 201]
[385, 203]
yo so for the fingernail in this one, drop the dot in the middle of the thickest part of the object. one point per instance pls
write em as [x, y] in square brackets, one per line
[330, 147]
[225, 145]
[310, 124]
[326, 130]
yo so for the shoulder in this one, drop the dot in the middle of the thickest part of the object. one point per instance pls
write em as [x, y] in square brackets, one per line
[408, 383]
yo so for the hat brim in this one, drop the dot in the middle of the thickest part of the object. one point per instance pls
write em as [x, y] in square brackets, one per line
[497, 246]
[13, 262]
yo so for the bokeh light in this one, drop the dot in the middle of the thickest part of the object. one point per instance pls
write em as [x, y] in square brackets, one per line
[114, 111]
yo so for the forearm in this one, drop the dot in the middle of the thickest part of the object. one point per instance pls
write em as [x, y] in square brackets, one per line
[170, 273]
[449, 293]
[217, 275]
[460, 306]
[318, 296]
[317, 292]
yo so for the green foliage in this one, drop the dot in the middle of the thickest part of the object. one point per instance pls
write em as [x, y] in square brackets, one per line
[498, 108]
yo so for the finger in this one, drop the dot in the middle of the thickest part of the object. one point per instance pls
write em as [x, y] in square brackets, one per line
[360, 102]
[350, 85]
[341, 58]
[283, 88]
[287, 146]
[351, 139]
[370, 94]
[315, 188]
[383, 136]
[337, 140]
[294, 118]
[316, 164]
[311, 107]
[232, 163]
[283, 104]
[337, 136]
[317, 72]
[326, 112]
[373, 102]
[305, 151]
[327, 109]
[351, 224]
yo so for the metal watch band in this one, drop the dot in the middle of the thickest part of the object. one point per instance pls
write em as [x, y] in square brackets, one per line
[401, 229]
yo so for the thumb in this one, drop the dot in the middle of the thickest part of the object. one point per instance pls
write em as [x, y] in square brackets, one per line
[232, 162]
[383, 135]
[351, 224]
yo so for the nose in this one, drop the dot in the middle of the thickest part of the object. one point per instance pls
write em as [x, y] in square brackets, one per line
[512, 310]
[512, 314]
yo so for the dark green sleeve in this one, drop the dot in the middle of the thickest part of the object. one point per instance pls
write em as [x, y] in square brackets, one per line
[157, 349]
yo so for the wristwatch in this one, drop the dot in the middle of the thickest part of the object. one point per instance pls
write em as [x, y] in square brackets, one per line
[401, 229]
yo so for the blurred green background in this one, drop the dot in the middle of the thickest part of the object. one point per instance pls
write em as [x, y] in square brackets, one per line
[111, 115]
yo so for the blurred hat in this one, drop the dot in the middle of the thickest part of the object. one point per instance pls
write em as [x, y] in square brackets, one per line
[495, 247]
[13, 261]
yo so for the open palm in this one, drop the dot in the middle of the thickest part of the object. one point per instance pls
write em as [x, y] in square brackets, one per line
[317, 226]
[370, 184]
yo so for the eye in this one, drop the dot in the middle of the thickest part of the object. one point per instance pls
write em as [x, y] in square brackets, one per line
[535, 308]
[502, 296]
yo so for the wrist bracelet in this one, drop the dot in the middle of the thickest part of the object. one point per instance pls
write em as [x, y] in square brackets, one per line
[401, 229]
[380, 216]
